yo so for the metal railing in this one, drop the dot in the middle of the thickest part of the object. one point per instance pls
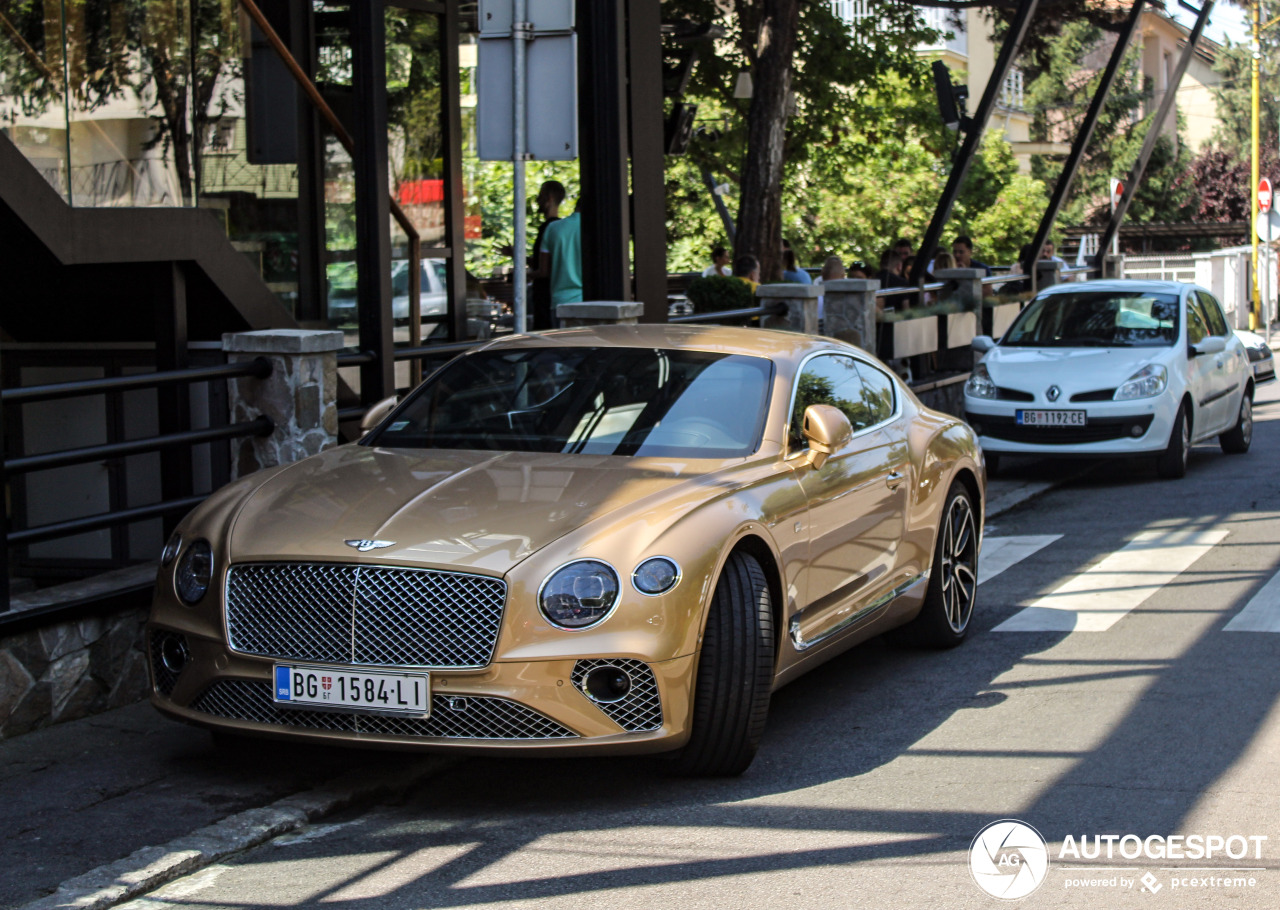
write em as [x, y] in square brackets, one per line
[755, 312]
[186, 438]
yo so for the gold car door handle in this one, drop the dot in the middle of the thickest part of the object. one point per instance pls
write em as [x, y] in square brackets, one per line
[895, 479]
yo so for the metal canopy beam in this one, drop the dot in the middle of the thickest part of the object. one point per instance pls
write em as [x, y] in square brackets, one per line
[1083, 137]
[973, 138]
[1153, 132]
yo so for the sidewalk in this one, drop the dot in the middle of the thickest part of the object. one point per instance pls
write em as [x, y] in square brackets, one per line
[93, 792]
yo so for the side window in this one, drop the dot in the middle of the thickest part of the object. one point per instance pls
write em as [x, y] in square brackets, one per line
[839, 381]
[1213, 312]
[877, 393]
[1197, 325]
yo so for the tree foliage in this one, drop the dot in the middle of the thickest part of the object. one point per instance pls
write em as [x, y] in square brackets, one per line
[1060, 96]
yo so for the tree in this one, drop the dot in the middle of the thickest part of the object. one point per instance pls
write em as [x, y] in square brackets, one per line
[810, 74]
[1059, 96]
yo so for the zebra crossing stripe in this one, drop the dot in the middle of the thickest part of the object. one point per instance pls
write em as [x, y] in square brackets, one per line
[1260, 614]
[999, 553]
[1101, 596]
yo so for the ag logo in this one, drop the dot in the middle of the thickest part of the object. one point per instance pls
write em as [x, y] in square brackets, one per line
[364, 546]
[1008, 859]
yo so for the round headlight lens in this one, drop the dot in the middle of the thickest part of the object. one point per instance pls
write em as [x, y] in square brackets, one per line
[655, 576]
[195, 571]
[579, 595]
[171, 549]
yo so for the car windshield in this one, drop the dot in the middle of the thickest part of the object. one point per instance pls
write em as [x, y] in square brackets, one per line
[598, 401]
[1097, 319]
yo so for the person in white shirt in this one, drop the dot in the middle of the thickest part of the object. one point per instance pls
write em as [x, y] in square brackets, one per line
[719, 264]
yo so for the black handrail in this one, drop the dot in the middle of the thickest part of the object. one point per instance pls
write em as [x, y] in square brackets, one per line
[356, 358]
[259, 368]
[259, 426]
[771, 309]
[104, 520]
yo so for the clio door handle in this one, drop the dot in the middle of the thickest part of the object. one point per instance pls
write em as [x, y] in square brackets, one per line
[895, 479]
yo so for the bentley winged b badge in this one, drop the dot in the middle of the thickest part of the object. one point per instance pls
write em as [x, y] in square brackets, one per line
[364, 546]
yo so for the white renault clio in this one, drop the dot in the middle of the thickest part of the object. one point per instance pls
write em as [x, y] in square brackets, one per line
[1113, 368]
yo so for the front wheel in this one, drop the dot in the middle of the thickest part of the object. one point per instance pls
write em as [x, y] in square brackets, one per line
[735, 674]
[1237, 439]
[943, 621]
[1172, 464]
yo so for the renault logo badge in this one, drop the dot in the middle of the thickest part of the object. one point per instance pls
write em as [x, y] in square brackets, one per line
[1053, 393]
[364, 546]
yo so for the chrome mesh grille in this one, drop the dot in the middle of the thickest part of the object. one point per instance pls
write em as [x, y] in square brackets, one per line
[640, 710]
[364, 615]
[452, 716]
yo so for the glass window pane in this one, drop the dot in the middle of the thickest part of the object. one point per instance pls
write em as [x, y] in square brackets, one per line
[1197, 324]
[833, 380]
[33, 108]
[129, 112]
[878, 394]
[1213, 312]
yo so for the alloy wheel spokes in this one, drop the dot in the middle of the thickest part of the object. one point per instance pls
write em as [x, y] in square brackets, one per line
[960, 578]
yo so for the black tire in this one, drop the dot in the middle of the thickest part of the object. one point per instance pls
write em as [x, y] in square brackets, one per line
[943, 621]
[735, 675]
[993, 464]
[1237, 439]
[1172, 464]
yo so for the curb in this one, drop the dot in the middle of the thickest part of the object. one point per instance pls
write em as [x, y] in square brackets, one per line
[150, 867]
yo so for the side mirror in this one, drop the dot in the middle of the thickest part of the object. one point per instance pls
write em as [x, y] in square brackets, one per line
[1211, 345]
[376, 414]
[827, 429]
[983, 343]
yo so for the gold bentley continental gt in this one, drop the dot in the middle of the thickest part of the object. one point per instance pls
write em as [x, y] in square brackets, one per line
[614, 540]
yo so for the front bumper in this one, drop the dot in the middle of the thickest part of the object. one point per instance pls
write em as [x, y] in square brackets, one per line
[1139, 427]
[521, 706]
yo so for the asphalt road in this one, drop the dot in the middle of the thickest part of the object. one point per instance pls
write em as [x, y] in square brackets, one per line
[1112, 702]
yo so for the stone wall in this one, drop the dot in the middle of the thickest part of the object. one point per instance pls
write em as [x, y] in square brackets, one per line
[71, 669]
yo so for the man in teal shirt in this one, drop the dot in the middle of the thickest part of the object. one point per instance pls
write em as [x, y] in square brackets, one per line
[562, 258]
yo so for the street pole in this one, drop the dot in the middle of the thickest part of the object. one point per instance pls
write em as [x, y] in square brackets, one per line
[521, 32]
[1256, 48]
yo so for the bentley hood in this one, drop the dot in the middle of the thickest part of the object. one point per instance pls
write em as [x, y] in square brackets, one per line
[467, 510]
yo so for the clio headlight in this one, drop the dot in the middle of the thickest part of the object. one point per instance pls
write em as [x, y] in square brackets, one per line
[194, 572]
[980, 384]
[579, 594]
[1148, 381]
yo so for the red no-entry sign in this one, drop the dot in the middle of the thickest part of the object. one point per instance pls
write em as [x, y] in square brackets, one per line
[1264, 195]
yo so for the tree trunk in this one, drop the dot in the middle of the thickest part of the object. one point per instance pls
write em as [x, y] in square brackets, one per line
[760, 206]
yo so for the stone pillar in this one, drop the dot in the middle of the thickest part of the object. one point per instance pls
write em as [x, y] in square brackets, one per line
[300, 396]
[599, 312]
[968, 285]
[1113, 265]
[849, 311]
[802, 307]
[1048, 273]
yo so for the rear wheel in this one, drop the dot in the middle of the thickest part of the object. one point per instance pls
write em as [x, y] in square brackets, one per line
[1172, 464]
[735, 674]
[943, 621]
[1237, 439]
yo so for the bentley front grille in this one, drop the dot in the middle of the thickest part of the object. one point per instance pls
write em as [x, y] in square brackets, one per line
[640, 709]
[364, 615]
[452, 716]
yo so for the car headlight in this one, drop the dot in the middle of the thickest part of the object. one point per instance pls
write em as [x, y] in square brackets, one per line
[194, 572]
[171, 548]
[1148, 381]
[579, 594]
[655, 576]
[980, 384]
